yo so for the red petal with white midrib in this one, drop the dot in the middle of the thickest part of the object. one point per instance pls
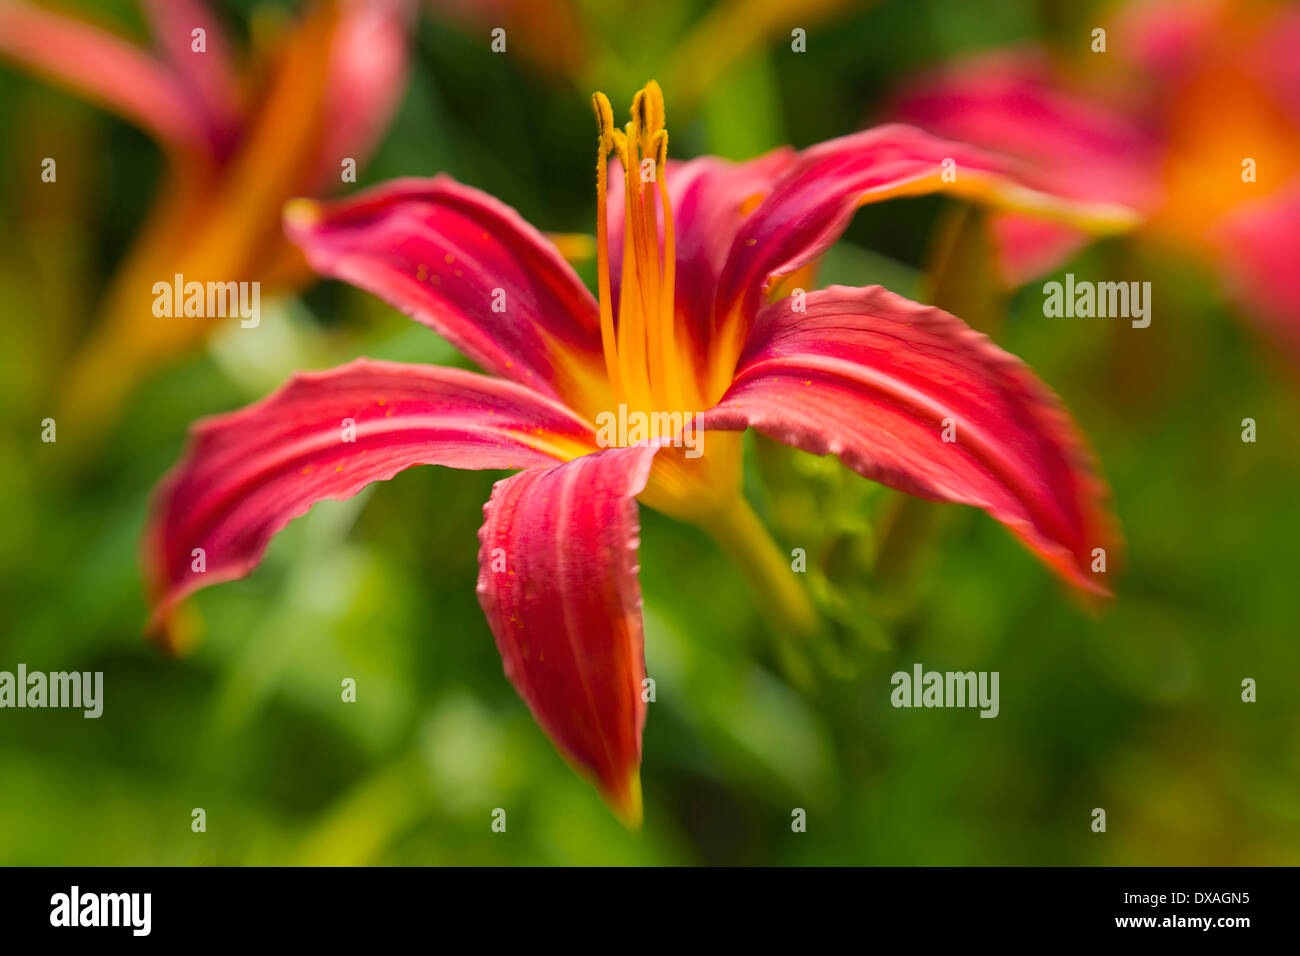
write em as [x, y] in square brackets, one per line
[558, 583]
[248, 473]
[871, 377]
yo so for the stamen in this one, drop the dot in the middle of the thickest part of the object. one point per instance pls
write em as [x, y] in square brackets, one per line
[631, 328]
[645, 238]
[605, 120]
[641, 353]
[668, 370]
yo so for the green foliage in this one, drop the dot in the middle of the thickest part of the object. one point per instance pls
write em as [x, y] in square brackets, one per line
[1136, 709]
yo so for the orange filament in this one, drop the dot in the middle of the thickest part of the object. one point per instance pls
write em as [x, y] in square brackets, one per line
[641, 355]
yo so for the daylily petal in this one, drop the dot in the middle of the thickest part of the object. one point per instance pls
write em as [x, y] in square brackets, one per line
[1025, 247]
[208, 76]
[1277, 64]
[1230, 103]
[813, 202]
[326, 435]
[710, 199]
[367, 76]
[875, 379]
[1164, 39]
[558, 583]
[470, 268]
[280, 148]
[1259, 247]
[103, 67]
[1008, 103]
[210, 228]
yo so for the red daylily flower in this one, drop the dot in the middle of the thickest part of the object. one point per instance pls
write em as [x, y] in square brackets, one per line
[1164, 122]
[680, 324]
[240, 136]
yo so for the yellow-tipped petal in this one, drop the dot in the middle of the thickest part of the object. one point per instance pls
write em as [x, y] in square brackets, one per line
[628, 806]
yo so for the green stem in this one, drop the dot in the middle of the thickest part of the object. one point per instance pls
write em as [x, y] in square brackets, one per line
[775, 584]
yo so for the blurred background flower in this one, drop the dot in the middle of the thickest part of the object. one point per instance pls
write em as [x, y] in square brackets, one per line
[240, 137]
[1188, 110]
[1137, 710]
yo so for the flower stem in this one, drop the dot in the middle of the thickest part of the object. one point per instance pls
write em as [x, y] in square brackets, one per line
[740, 533]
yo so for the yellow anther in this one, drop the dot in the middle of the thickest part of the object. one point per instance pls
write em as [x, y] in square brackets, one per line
[653, 105]
[604, 119]
[659, 146]
[638, 109]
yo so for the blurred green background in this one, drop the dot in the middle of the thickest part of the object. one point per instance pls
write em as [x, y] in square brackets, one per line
[1136, 710]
